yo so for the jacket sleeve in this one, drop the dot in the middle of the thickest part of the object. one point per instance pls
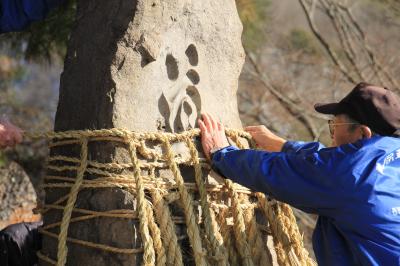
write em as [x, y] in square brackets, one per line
[16, 15]
[300, 147]
[304, 180]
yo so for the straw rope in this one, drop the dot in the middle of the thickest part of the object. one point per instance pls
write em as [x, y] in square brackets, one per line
[227, 236]
[239, 224]
[149, 253]
[62, 238]
[167, 227]
[156, 234]
[259, 252]
[222, 210]
[239, 227]
[187, 203]
[211, 227]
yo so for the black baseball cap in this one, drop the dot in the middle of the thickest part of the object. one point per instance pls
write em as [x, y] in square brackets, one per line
[370, 105]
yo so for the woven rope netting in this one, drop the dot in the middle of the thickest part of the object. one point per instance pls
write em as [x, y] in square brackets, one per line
[220, 217]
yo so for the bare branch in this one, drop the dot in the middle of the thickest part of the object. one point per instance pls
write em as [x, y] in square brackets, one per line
[295, 109]
[375, 64]
[332, 54]
[360, 57]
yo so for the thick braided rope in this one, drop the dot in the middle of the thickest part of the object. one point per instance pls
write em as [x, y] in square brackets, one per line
[295, 236]
[296, 251]
[236, 140]
[62, 238]
[239, 227]
[167, 226]
[287, 242]
[279, 224]
[149, 253]
[228, 237]
[148, 154]
[280, 221]
[187, 203]
[259, 251]
[161, 258]
[211, 226]
[115, 132]
[276, 229]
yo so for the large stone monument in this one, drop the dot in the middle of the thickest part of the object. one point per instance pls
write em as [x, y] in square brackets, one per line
[151, 65]
[143, 65]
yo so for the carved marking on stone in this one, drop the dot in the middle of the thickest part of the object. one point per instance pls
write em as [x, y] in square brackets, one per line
[172, 67]
[191, 53]
[180, 104]
[193, 76]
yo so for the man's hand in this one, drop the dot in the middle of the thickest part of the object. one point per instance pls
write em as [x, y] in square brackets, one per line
[9, 134]
[212, 134]
[265, 139]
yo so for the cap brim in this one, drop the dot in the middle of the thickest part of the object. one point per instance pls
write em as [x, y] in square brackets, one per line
[328, 108]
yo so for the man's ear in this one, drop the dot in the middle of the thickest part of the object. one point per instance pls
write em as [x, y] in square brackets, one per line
[366, 132]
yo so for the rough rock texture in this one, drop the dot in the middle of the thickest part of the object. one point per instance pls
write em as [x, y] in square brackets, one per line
[145, 66]
[17, 196]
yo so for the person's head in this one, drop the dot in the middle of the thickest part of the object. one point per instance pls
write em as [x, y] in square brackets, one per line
[344, 129]
[366, 109]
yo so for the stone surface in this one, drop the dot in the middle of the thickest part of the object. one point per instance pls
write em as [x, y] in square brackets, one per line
[17, 196]
[145, 66]
[153, 64]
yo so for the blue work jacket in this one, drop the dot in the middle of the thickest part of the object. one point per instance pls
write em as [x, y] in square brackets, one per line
[354, 188]
[15, 15]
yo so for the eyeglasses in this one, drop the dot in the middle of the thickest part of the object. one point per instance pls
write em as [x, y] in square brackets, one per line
[332, 126]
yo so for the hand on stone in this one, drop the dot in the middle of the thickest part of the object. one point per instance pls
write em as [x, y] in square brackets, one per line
[9, 134]
[212, 134]
[265, 139]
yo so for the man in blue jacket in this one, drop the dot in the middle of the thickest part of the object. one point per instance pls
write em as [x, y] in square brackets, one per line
[16, 15]
[354, 186]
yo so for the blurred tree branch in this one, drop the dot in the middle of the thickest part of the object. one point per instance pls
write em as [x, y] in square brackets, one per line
[292, 106]
[360, 58]
[394, 5]
[309, 9]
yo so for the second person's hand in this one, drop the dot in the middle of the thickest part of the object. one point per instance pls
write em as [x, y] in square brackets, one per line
[9, 134]
[265, 139]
